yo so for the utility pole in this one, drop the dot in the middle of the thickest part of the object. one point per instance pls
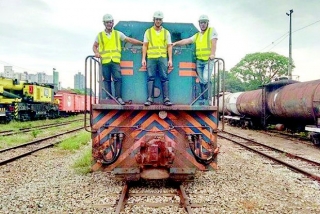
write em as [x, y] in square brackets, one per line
[290, 48]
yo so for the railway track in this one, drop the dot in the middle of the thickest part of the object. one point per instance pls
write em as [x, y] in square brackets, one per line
[24, 130]
[296, 163]
[284, 135]
[11, 154]
[179, 192]
[160, 195]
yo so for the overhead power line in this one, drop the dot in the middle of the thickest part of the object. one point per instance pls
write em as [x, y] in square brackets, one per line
[306, 26]
[275, 43]
[283, 36]
[10, 64]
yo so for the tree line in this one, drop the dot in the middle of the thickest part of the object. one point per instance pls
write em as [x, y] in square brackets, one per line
[255, 70]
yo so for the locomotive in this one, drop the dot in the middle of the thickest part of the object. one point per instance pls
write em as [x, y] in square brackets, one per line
[287, 103]
[20, 100]
[153, 142]
[23, 101]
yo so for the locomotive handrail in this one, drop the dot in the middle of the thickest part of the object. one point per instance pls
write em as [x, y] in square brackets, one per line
[96, 62]
[208, 90]
[216, 91]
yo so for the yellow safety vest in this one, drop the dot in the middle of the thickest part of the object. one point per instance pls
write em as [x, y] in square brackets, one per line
[203, 47]
[157, 46]
[109, 48]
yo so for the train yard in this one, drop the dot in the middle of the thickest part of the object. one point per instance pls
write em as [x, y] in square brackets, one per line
[245, 183]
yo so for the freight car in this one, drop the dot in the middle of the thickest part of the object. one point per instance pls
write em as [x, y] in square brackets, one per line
[153, 142]
[287, 103]
[20, 100]
[71, 103]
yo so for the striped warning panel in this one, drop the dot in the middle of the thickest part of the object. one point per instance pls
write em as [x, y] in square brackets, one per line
[135, 124]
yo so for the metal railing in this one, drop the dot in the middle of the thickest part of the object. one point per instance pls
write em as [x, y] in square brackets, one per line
[94, 71]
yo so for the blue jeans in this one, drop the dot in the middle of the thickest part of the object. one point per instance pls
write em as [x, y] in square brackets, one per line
[112, 68]
[157, 64]
[204, 70]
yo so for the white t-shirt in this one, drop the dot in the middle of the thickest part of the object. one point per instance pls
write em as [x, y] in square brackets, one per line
[145, 38]
[122, 36]
[213, 35]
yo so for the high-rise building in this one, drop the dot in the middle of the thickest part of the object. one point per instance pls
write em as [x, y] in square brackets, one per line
[79, 81]
[8, 72]
[56, 84]
[40, 77]
[24, 76]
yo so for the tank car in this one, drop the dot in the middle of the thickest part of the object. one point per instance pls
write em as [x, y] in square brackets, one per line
[22, 101]
[293, 104]
[153, 142]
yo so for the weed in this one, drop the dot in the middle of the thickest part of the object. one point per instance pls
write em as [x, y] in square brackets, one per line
[83, 164]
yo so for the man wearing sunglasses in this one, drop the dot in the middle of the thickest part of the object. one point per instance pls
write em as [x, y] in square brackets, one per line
[206, 43]
[157, 48]
[107, 46]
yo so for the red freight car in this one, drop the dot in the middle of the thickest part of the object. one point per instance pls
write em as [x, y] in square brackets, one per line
[79, 103]
[66, 102]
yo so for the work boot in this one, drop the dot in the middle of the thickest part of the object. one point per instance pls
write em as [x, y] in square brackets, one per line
[148, 102]
[119, 99]
[167, 102]
[165, 90]
[150, 94]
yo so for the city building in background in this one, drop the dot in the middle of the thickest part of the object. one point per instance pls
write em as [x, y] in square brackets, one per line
[79, 81]
[40, 77]
[8, 72]
[56, 82]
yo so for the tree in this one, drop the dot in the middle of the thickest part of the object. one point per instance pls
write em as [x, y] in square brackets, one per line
[257, 69]
[232, 83]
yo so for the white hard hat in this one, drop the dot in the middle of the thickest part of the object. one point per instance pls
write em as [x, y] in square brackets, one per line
[203, 18]
[158, 14]
[107, 18]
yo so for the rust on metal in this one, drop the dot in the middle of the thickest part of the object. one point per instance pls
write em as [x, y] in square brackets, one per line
[123, 198]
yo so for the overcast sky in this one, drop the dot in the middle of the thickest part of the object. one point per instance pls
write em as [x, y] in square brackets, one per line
[37, 35]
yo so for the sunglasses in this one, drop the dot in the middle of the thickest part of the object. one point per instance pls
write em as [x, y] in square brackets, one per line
[157, 19]
[203, 22]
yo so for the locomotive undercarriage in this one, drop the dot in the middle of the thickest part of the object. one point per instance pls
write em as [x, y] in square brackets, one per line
[155, 148]
[154, 157]
[29, 111]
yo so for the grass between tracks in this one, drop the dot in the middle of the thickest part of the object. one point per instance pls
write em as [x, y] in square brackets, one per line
[82, 165]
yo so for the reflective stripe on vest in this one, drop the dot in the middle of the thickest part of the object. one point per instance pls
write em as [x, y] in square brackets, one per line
[203, 47]
[109, 48]
[157, 46]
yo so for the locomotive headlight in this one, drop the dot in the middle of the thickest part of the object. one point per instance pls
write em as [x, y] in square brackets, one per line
[163, 114]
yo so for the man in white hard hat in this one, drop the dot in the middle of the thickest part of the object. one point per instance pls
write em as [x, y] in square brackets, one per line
[157, 49]
[107, 46]
[206, 43]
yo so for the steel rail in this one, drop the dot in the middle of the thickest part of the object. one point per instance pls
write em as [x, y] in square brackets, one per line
[35, 150]
[290, 155]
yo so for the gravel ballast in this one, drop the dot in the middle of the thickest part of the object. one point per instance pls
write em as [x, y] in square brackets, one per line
[245, 183]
